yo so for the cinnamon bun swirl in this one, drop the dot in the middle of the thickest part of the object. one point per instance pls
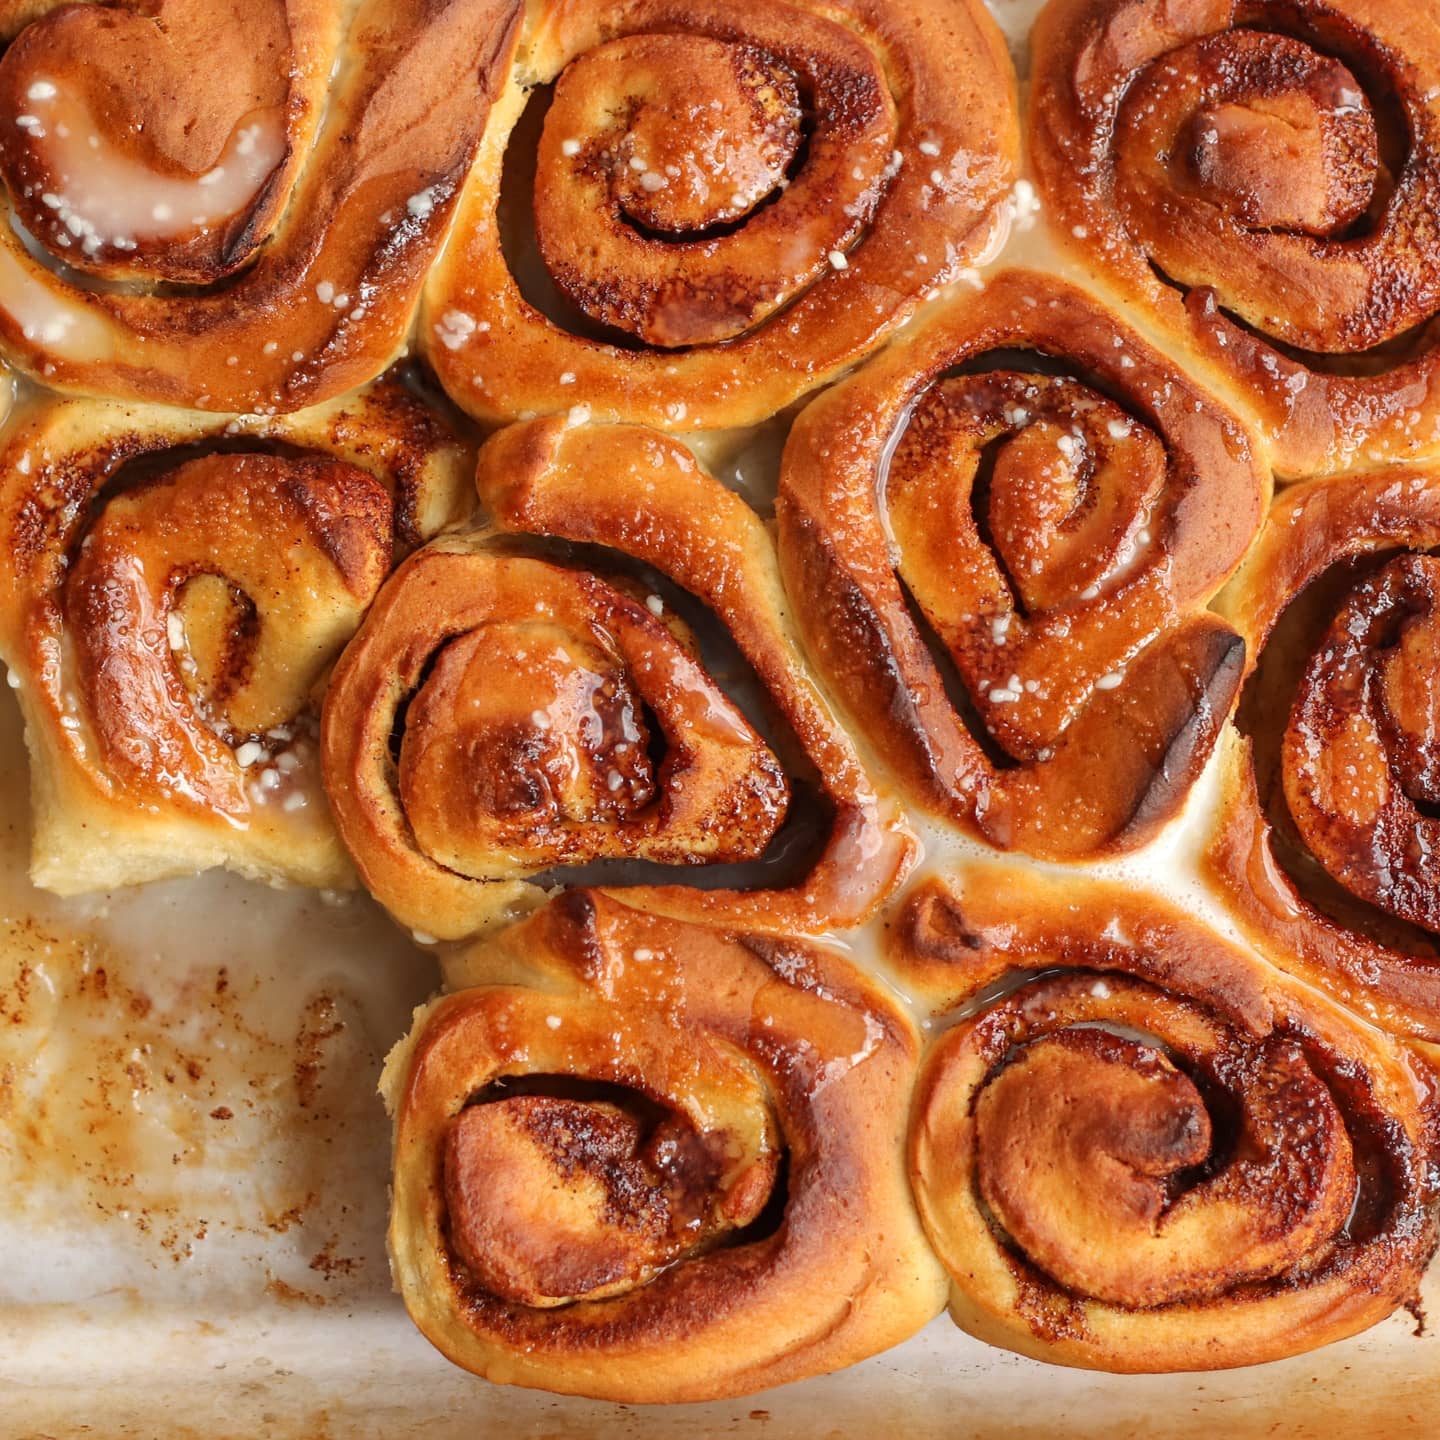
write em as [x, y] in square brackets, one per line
[731, 202]
[650, 1161]
[1146, 1151]
[1323, 844]
[231, 206]
[513, 704]
[173, 591]
[1261, 178]
[1002, 536]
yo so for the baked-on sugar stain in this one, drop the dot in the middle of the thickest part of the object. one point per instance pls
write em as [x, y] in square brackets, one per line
[178, 1115]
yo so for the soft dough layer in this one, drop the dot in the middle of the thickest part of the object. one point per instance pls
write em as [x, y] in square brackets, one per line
[510, 706]
[234, 203]
[1003, 570]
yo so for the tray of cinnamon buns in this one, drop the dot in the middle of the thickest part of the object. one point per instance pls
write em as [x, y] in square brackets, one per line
[723, 707]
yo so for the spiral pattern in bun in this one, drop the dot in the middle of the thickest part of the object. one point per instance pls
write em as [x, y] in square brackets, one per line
[232, 206]
[174, 592]
[1156, 1154]
[513, 704]
[1003, 569]
[651, 1161]
[731, 202]
[1262, 178]
[1323, 847]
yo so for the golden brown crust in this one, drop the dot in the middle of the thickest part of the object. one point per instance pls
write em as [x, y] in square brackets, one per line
[297, 174]
[1261, 178]
[680, 197]
[718, 1122]
[550, 712]
[1064, 582]
[1155, 1154]
[174, 591]
[1321, 848]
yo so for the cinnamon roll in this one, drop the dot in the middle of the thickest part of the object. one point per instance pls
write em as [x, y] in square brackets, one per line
[516, 705]
[650, 1161]
[1324, 844]
[231, 206]
[1002, 537]
[1138, 1149]
[173, 591]
[731, 202]
[1262, 178]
